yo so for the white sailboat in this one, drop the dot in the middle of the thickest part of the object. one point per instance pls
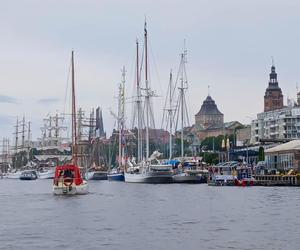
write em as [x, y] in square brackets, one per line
[188, 172]
[68, 178]
[150, 170]
[117, 173]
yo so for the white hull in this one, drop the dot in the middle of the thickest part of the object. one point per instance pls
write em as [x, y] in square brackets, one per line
[89, 175]
[61, 189]
[13, 175]
[186, 178]
[49, 174]
[148, 178]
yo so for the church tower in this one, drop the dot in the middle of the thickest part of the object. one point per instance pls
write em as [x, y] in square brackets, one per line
[273, 98]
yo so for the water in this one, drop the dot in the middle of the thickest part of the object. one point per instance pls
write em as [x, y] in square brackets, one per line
[137, 216]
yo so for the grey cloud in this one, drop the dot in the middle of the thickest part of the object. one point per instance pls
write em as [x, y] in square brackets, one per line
[48, 100]
[8, 99]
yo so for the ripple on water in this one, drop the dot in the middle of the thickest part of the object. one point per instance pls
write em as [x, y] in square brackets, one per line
[125, 216]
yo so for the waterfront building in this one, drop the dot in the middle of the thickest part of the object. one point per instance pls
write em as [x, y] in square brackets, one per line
[277, 122]
[284, 157]
[281, 124]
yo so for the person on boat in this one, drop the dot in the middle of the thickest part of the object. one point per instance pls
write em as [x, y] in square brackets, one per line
[68, 174]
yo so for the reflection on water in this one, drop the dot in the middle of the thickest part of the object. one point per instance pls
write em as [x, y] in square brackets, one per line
[129, 216]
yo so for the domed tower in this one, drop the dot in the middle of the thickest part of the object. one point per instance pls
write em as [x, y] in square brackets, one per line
[273, 98]
[209, 114]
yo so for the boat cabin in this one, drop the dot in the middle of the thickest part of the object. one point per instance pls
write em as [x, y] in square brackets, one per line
[68, 172]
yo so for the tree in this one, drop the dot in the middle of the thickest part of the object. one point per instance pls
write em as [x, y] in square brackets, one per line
[261, 154]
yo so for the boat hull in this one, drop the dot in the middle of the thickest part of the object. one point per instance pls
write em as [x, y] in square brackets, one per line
[189, 179]
[47, 175]
[148, 178]
[99, 176]
[13, 175]
[28, 178]
[61, 189]
[116, 177]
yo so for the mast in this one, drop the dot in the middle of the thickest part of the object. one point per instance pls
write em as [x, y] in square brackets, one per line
[182, 110]
[28, 143]
[123, 113]
[170, 116]
[17, 135]
[23, 133]
[74, 130]
[138, 103]
[120, 125]
[147, 96]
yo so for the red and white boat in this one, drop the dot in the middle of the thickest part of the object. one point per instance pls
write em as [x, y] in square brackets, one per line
[68, 178]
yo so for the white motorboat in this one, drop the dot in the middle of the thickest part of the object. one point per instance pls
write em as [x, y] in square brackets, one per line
[13, 175]
[190, 176]
[46, 173]
[28, 175]
[150, 173]
[93, 174]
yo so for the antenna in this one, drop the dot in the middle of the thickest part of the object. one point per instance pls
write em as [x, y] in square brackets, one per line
[208, 90]
[273, 63]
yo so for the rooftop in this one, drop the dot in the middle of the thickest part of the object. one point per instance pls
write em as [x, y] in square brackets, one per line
[209, 107]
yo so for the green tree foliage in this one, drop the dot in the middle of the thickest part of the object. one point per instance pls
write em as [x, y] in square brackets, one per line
[210, 158]
[261, 154]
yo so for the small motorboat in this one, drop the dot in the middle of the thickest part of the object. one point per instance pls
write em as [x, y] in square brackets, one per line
[115, 175]
[68, 180]
[190, 176]
[98, 175]
[47, 173]
[28, 175]
[13, 175]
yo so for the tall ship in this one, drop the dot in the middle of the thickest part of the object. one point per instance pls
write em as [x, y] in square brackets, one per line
[53, 148]
[117, 173]
[148, 169]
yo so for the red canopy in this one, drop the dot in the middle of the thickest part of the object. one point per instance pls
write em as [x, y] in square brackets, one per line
[77, 178]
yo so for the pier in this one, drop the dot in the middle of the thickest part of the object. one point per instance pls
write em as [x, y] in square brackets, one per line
[277, 180]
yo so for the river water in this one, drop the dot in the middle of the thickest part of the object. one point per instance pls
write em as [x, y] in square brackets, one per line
[144, 216]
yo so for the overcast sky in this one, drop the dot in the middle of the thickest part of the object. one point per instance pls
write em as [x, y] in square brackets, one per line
[230, 44]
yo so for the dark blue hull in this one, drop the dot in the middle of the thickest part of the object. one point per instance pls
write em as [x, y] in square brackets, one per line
[116, 177]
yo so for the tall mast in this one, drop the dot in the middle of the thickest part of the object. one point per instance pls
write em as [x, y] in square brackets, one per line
[182, 108]
[28, 143]
[74, 130]
[23, 133]
[138, 101]
[17, 135]
[120, 124]
[147, 96]
[123, 113]
[170, 116]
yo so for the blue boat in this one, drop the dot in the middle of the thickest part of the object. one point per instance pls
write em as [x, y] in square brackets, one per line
[115, 175]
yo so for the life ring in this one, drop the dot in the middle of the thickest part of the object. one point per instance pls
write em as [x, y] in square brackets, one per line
[68, 181]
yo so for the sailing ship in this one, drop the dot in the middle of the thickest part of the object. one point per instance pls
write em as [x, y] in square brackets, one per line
[149, 170]
[68, 178]
[117, 174]
[52, 147]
